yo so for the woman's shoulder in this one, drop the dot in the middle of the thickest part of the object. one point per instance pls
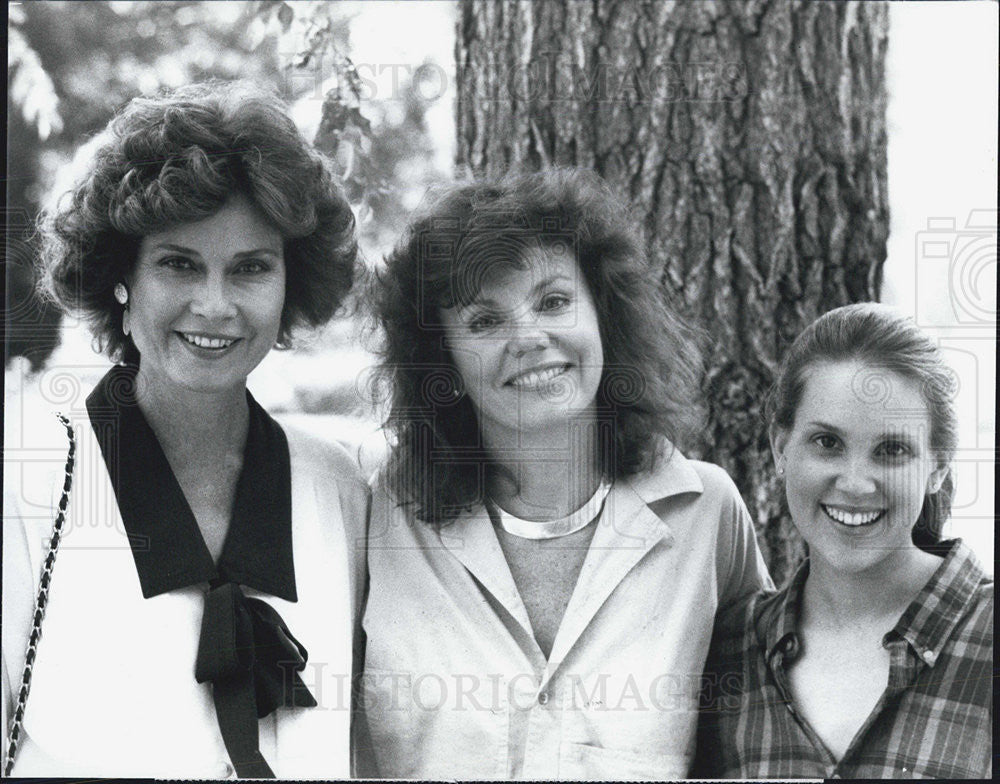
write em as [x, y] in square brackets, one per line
[718, 492]
[673, 472]
[735, 632]
[963, 589]
[37, 445]
[984, 594]
[325, 468]
[35, 461]
[715, 479]
[312, 453]
[388, 504]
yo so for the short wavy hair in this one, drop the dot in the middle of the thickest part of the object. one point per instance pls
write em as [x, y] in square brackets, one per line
[878, 336]
[176, 158]
[652, 363]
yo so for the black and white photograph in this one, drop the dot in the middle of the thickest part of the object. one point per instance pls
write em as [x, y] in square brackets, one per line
[499, 389]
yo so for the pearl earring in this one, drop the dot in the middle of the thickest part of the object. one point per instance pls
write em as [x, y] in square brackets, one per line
[121, 296]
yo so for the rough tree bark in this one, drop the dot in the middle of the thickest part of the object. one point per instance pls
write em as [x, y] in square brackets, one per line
[751, 140]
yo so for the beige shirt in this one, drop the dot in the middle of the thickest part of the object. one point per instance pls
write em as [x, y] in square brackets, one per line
[455, 685]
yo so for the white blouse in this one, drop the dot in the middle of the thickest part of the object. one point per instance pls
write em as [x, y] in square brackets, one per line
[113, 691]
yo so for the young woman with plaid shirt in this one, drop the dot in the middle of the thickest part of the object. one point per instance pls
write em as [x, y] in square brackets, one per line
[876, 660]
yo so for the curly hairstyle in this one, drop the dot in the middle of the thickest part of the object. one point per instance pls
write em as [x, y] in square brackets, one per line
[178, 157]
[878, 336]
[651, 361]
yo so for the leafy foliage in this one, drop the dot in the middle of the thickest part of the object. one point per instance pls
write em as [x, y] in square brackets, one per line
[30, 88]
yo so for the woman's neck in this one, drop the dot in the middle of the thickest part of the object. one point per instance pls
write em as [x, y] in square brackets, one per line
[545, 475]
[186, 421]
[833, 598]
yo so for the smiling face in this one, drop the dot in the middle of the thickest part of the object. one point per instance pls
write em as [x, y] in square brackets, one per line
[205, 299]
[528, 347]
[857, 466]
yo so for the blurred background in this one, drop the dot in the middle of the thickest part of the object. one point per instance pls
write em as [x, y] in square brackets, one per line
[390, 127]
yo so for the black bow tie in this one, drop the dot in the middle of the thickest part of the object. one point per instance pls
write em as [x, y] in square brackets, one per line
[253, 662]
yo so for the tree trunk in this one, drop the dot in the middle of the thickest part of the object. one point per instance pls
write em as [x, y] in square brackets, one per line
[750, 138]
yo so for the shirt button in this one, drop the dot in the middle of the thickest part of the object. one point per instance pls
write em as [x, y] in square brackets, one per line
[930, 657]
[543, 698]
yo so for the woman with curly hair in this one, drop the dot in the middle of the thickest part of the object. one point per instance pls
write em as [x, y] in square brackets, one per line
[199, 587]
[545, 564]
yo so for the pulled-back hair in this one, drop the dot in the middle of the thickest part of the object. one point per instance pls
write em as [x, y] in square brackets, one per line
[177, 158]
[877, 336]
[651, 364]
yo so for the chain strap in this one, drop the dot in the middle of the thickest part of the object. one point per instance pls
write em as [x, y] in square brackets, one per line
[41, 601]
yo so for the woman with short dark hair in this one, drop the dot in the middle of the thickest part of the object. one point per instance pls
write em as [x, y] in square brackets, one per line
[178, 158]
[199, 618]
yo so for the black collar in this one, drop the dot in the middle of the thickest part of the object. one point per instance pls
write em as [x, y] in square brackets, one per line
[167, 545]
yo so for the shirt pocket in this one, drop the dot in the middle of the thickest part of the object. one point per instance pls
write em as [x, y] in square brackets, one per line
[594, 763]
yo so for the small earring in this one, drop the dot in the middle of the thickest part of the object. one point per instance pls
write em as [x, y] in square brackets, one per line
[127, 322]
[121, 293]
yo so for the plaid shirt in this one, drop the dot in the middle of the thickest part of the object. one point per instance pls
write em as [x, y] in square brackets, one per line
[934, 720]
